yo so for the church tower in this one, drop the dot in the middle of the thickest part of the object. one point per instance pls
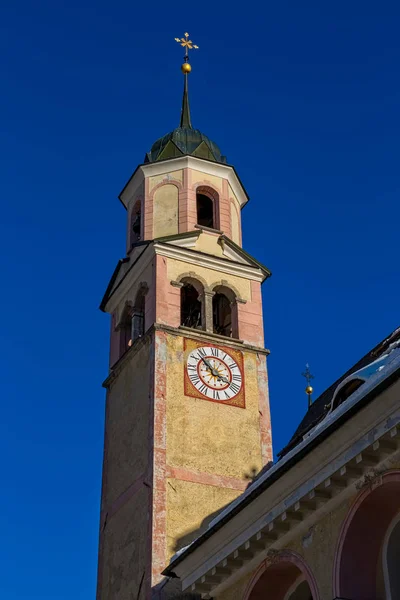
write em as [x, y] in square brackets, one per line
[187, 411]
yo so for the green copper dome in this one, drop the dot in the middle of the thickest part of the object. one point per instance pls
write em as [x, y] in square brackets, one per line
[184, 140]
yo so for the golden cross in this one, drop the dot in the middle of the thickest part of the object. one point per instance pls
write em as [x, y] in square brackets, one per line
[307, 374]
[187, 44]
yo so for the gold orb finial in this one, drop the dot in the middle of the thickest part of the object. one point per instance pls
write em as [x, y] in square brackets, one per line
[186, 67]
[309, 390]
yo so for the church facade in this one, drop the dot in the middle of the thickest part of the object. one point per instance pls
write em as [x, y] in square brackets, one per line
[188, 427]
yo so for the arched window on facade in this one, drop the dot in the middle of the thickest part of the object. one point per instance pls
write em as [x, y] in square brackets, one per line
[225, 312]
[391, 557]
[286, 579]
[136, 223]
[191, 304]
[300, 591]
[205, 210]
[367, 561]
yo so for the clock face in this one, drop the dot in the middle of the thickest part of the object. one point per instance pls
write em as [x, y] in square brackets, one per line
[214, 373]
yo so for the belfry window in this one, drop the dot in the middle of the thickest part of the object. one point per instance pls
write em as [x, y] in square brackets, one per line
[205, 211]
[190, 307]
[222, 315]
[136, 223]
[131, 325]
[125, 328]
[138, 316]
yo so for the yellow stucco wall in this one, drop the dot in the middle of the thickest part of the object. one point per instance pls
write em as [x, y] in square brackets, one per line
[125, 549]
[206, 242]
[153, 181]
[166, 211]
[128, 424]
[209, 276]
[190, 507]
[199, 176]
[125, 541]
[206, 438]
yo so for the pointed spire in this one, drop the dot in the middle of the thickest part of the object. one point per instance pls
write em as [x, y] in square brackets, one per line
[185, 113]
[186, 68]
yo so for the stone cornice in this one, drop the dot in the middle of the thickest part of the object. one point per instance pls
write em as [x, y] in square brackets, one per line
[214, 338]
[201, 259]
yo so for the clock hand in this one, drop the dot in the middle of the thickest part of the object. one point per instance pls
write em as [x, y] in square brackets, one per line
[222, 378]
[214, 372]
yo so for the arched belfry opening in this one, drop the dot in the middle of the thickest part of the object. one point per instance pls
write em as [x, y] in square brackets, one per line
[224, 312]
[125, 330]
[138, 314]
[205, 211]
[136, 223]
[131, 326]
[191, 304]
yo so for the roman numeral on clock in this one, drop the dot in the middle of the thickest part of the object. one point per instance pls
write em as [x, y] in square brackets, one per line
[214, 352]
[216, 395]
[234, 387]
[236, 377]
[195, 379]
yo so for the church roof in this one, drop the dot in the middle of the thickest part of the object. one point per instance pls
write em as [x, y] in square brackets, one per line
[321, 406]
[184, 140]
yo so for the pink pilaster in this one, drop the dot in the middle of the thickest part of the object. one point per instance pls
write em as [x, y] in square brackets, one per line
[263, 408]
[159, 524]
[225, 210]
[161, 290]
[250, 318]
[148, 212]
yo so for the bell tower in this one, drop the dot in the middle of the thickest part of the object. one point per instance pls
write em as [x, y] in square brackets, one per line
[187, 410]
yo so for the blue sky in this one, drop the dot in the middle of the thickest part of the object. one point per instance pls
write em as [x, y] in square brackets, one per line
[303, 98]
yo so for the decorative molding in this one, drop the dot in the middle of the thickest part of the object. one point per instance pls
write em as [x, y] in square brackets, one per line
[209, 261]
[195, 276]
[184, 162]
[209, 230]
[227, 284]
[214, 338]
[232, 483]
[230, 252]
[177, 284]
